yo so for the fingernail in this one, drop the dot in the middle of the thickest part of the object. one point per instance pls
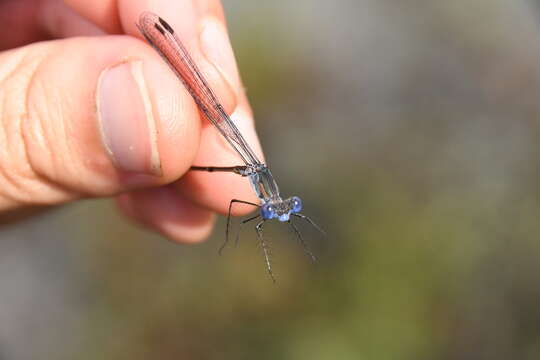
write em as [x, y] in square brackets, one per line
[126, 121]
[216, 46]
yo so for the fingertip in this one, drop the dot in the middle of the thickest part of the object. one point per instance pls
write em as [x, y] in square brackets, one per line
[211, 8]
[164, 210]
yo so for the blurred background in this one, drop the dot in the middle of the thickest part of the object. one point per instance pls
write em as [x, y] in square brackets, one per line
[411, 131]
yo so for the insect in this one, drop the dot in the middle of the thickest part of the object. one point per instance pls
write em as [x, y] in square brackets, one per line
[272, 206]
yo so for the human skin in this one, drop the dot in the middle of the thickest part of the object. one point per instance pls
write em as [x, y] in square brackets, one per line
[88, 109]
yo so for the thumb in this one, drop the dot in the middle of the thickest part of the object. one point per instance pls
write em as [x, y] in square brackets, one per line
[90, 117]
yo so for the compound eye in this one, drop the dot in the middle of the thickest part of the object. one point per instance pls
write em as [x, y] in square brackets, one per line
[268, 211]
[296, 204]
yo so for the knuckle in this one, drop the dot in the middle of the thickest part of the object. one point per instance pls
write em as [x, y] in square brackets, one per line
[21, 182]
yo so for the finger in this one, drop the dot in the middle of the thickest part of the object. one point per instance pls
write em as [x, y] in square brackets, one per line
[164, 210]
[61, 21]
[114, 16]
[106, 13]
[214, 46]
[201, 27]
[18, 23]
[24, 22]
[215, 189]
[211, 8]
[90, 117]
[103, 14]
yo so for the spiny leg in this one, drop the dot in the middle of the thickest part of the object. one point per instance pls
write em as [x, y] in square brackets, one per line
[229, 220]
[240, 227]
[302, 242]
[265, 248]
[302, 216]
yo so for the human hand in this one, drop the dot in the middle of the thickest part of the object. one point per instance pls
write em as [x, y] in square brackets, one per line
[91, 112]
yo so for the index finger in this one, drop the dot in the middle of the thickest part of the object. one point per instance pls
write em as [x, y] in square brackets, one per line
[111, 15]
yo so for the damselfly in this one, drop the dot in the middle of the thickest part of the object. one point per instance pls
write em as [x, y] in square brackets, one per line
[272, 206]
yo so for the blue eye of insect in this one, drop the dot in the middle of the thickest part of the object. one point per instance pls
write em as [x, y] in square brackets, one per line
[268, 211]
[296, 204]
